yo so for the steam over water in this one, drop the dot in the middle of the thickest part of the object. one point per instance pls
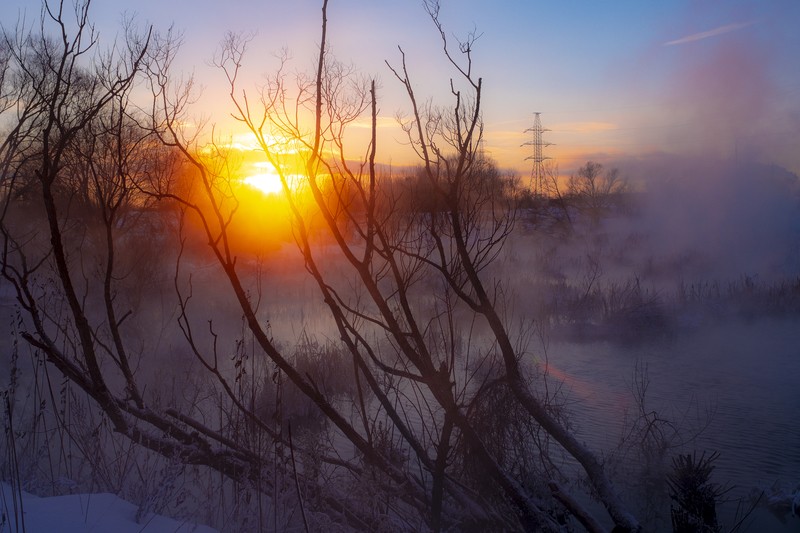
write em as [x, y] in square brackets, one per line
[695, 292]
[693, 289]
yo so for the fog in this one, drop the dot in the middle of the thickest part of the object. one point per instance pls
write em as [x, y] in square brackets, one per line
[695, 280]
[395, 349]
[682, 285]
[718, 219]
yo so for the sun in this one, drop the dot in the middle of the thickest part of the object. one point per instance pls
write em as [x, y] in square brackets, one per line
[261, 176]
[266, 182]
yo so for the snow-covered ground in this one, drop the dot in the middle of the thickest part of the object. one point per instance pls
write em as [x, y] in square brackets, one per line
[82, 513]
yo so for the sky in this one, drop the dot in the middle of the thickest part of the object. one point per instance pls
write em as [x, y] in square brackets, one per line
[612, 80]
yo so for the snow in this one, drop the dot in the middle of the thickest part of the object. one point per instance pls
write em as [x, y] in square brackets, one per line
[84, 513]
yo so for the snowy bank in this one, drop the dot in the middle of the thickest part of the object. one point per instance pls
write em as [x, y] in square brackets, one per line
[82, 513]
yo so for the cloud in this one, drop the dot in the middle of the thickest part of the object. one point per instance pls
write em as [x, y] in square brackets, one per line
[584, 127]
[710, 33]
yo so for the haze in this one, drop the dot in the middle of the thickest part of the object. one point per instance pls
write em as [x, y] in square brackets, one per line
[317, 265]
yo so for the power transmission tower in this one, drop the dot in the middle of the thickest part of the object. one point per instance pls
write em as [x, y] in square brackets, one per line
[538, 185]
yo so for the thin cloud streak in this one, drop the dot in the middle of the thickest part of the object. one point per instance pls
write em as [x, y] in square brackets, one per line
[710, 33]
[584, 127]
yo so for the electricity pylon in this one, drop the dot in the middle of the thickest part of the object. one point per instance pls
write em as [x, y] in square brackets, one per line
[538, 185]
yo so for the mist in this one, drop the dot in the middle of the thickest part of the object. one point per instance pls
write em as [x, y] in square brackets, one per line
[716, 219]
[354, 345]
[718, 97]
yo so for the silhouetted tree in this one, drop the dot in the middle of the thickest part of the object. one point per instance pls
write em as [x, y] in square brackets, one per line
[75, 138]
[596, 190]
[418, 311]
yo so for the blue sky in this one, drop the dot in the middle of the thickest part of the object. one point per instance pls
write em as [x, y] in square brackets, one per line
[611, 79]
